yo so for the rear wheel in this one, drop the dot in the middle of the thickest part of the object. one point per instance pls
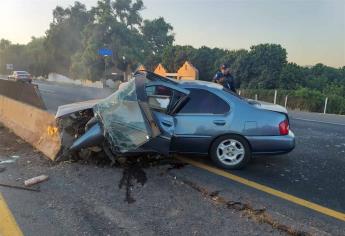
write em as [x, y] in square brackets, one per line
[230, 152]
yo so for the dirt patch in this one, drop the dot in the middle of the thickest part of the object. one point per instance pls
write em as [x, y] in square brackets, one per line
[10, 144]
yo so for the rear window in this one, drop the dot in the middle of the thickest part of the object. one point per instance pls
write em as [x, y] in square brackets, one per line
[203, 101]
[233, 93]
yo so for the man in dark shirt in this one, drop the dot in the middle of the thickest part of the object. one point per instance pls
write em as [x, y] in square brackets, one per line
[224, 78]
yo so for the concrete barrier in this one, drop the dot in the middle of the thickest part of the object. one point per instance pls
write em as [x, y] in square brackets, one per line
[34, 125]
[22, 92]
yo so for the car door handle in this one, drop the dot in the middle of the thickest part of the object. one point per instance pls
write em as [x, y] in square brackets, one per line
[219, 122]
[167, 123]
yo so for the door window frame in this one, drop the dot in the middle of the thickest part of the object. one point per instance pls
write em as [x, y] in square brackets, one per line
[171, 107]
[206, 114]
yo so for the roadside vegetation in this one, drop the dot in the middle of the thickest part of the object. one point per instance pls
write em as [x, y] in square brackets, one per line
[70, 47]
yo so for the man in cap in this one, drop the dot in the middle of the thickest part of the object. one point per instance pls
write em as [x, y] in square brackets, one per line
[225, 78]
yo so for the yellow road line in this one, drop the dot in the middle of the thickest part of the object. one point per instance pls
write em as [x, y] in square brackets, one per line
[299, 201]
[8, 225]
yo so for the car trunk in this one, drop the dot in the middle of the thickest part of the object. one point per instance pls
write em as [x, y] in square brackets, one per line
[268, 106]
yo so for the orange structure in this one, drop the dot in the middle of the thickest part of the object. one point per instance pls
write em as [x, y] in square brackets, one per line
[160, 70]
[186, 72]
[140, 67]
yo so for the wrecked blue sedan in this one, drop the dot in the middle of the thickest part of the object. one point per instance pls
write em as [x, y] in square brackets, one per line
[154, 114]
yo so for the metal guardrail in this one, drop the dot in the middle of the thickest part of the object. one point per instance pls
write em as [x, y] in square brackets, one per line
[325, 105]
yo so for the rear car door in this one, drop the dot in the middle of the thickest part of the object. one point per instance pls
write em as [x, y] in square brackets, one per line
[204, 117]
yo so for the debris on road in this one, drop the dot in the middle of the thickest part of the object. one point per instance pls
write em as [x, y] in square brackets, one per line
[8, 161]
[20, 141]
[177, 165]
[35, 180]
[2, 168]
[134, 173]
[19, 187]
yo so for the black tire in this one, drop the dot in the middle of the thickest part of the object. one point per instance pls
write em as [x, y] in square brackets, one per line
[238, 164]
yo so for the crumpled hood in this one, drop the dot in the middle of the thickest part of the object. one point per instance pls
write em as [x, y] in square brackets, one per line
[268, 106]
[74, 107]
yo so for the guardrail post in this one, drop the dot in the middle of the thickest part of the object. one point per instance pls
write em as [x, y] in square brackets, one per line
[325, 108]
[286, 99]
[275, 97]
[256, 97]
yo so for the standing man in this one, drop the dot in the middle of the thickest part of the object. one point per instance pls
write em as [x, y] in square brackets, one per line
[225, 78]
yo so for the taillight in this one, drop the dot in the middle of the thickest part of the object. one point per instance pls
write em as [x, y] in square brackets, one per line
[284, 127]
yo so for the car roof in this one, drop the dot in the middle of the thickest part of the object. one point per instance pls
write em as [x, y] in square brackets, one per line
[183, 83]
[199, 83]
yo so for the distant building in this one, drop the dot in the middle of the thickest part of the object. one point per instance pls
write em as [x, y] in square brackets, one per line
[160, 70]
[186, 72]
[140, 67]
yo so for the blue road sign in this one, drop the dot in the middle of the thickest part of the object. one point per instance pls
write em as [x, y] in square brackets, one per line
[105, 52]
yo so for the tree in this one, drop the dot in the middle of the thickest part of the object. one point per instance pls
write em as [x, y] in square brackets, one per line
[292, 76]
[115, 28]
[4, 44]
[158, 34]
[12, 54]
[64, 37]
[36, 57]
[205, 59]
[266, 62]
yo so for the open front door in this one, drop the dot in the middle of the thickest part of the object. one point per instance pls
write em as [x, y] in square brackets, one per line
[163, 99]
[137, 117]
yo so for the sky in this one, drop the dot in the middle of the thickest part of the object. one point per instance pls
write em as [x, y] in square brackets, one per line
[312, 31]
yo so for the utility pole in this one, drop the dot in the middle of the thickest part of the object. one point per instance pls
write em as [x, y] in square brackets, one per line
[325, 108]
[105, 66]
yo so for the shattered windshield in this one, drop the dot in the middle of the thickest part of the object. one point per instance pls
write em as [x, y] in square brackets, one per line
[122, 118]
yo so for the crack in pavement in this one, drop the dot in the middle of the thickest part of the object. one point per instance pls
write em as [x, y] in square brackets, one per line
[258, 215]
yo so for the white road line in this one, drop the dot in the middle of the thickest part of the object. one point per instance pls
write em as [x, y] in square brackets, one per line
[318, 121]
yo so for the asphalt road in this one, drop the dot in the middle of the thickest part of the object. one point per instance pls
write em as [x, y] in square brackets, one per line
[314, 171]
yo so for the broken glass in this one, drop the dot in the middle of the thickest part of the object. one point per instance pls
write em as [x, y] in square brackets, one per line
[123, 121]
